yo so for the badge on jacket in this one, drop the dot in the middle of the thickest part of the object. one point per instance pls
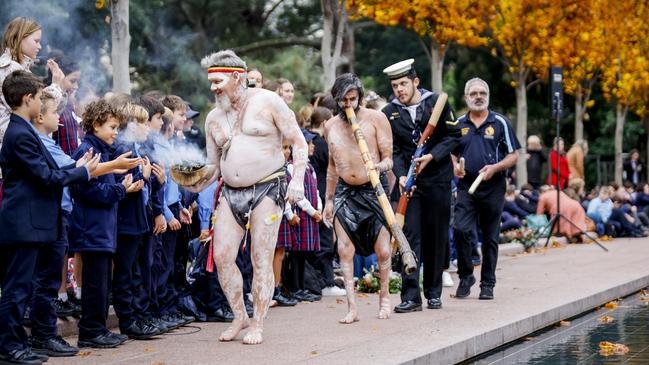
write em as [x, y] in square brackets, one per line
[489, 132]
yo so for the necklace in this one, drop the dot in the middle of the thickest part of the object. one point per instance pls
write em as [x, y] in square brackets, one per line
[233, 128]
[227, 144]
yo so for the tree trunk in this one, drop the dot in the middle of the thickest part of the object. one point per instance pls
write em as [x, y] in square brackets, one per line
[521, 128]
[333, 28]
[436, 66]
[349, 51]
[580, 108]
[620, 116]
[121, 42]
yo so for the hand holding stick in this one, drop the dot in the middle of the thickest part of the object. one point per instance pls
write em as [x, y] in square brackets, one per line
[415, 166]
[476, 183]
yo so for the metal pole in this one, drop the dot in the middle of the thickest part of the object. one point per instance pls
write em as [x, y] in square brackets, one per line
[557, 117]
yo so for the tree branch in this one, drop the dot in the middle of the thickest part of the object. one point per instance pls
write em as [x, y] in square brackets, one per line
[423, 45]
[340, 30]
[531, 84]
[362, 24]
[271, 10]
[278, 42]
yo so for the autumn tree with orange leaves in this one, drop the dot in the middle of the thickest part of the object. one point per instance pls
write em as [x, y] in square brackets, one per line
[582, 53]
[442, 22]
[625, 79]
[524, 33]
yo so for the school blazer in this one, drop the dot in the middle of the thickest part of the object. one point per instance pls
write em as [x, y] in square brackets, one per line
[32, 187]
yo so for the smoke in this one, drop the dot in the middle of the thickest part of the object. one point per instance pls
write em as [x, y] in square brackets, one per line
[75, 27]
[178, 153]
[133, 133]
[184, 153]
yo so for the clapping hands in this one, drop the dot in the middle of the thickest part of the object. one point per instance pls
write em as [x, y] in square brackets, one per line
[130, 186]
[90, 161]
[146, 168]
[123, 163]
[159, 172]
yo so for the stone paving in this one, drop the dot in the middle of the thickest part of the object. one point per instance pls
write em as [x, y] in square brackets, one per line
[533, 291]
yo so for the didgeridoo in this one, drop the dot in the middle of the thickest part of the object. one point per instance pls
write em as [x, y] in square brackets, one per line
[414, 170]
[407, 255]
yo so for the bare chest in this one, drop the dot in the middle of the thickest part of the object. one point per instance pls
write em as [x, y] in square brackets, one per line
[343, 144]
[252, 121]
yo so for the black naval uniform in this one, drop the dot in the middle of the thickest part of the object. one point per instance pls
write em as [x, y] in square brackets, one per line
[428, 214]
[485, 145]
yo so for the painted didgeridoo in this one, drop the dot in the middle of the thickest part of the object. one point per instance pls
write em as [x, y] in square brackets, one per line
[414, 170]
[407, 255]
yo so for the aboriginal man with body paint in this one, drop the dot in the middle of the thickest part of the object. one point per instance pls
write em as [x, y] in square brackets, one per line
[351, 202]
[244, 135]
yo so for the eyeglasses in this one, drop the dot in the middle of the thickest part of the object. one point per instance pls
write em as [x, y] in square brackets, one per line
[473, 94]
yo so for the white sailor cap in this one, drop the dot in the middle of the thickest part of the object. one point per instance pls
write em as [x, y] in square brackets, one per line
[400, 69]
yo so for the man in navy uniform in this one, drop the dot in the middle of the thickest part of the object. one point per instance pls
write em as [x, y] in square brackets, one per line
[428, 215]
[489, 146]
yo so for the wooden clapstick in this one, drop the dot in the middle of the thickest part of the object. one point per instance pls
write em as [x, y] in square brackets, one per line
[476, 183]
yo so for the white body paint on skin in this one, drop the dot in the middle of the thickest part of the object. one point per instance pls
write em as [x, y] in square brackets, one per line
[345, 161]
[244, 135]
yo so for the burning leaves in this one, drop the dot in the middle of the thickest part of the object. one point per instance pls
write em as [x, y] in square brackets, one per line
[188, 167]
[188, 173]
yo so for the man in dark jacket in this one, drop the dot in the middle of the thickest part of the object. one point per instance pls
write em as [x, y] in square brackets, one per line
[429, 211]
[633, 168]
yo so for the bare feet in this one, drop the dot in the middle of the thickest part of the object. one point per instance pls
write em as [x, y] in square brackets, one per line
[350, 318]
[384, 308]
[234, 329]
[254, 336]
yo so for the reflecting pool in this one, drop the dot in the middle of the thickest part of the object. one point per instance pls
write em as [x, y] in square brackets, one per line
[577, 340]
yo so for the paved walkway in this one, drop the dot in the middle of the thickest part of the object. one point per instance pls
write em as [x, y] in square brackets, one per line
[533, 291]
